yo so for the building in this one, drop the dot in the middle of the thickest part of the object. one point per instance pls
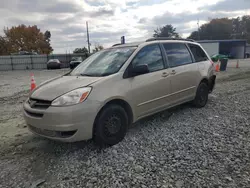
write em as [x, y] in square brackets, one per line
[233, 48]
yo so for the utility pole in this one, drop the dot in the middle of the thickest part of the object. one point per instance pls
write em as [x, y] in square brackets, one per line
[88, 36]
[198, 23]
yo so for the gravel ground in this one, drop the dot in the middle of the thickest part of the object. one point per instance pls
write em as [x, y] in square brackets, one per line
[181, 147]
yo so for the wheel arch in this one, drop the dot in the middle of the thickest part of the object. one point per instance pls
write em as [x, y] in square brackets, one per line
[210, 82]
[204, 80]
[121, 102]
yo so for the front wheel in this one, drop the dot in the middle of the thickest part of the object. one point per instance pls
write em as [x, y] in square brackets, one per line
[201, 97]
[111, 125]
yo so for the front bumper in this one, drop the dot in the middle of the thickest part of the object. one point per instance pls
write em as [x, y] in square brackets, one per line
[68, 124]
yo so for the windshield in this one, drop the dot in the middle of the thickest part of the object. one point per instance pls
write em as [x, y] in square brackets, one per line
[104, 63]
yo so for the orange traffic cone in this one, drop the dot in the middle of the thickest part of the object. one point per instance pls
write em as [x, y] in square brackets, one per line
[217, 67]
[33, 82]
[237, 64]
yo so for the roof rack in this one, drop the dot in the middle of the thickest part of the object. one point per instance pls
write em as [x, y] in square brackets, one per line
[117, 44]
[167, 38]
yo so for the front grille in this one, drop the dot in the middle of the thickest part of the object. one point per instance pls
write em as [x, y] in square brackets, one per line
[39, 104]
[32, 114]
[49, 133]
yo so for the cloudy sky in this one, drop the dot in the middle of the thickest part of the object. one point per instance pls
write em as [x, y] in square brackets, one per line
[110, 19]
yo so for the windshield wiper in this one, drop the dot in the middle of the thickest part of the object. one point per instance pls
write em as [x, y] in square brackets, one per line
[83, 74]
[90, 75]
[106, 74]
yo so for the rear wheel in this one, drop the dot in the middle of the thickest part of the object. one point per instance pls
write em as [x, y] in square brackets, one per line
[201, 95]
[111, 125]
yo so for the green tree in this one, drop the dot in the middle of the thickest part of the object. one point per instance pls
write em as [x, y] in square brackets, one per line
[166, 31]
[241, 28]
[216, 29]
[194, 35]
[80, 50]
[224, 28]
[83, 50]
[98, 48]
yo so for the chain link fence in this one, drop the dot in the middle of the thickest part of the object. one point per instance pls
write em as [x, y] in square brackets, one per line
[26, 62]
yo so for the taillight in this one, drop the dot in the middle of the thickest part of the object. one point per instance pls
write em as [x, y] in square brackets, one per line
[212, 62]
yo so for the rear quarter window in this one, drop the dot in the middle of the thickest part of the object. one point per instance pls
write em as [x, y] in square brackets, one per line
[177, 54]
[198, 53]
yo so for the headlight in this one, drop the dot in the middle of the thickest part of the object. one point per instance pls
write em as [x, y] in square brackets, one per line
[72, 97]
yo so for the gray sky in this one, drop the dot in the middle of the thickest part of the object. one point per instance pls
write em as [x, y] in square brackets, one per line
[110, 19]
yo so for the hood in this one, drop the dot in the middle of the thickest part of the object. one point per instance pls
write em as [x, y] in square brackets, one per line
[62, 85]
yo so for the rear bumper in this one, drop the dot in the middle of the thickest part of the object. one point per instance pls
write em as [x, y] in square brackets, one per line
[211, 83]
[67, 124]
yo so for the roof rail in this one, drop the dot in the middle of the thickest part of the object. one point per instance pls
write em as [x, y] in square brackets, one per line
[117, 44]
[167, 38]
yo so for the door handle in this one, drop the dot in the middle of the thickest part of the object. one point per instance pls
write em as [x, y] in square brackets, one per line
[164, 74]
[173, 72]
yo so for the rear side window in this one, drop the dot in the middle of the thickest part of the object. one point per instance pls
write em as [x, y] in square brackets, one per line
[198, 53]
[178, 54]
[151, 56]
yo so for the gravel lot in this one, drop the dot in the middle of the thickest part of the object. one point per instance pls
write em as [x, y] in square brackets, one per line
[181, 147]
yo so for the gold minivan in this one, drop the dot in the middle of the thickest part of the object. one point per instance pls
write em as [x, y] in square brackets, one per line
[117, 86]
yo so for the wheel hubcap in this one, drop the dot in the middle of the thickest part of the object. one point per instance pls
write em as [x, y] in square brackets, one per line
[112, 125]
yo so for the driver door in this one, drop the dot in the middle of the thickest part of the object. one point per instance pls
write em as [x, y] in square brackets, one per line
[149, 92]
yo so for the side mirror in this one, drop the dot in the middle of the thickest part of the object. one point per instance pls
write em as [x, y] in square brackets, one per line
[138, 70]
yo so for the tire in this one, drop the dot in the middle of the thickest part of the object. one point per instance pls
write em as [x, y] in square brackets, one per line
[111, 125]
[201, 97]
